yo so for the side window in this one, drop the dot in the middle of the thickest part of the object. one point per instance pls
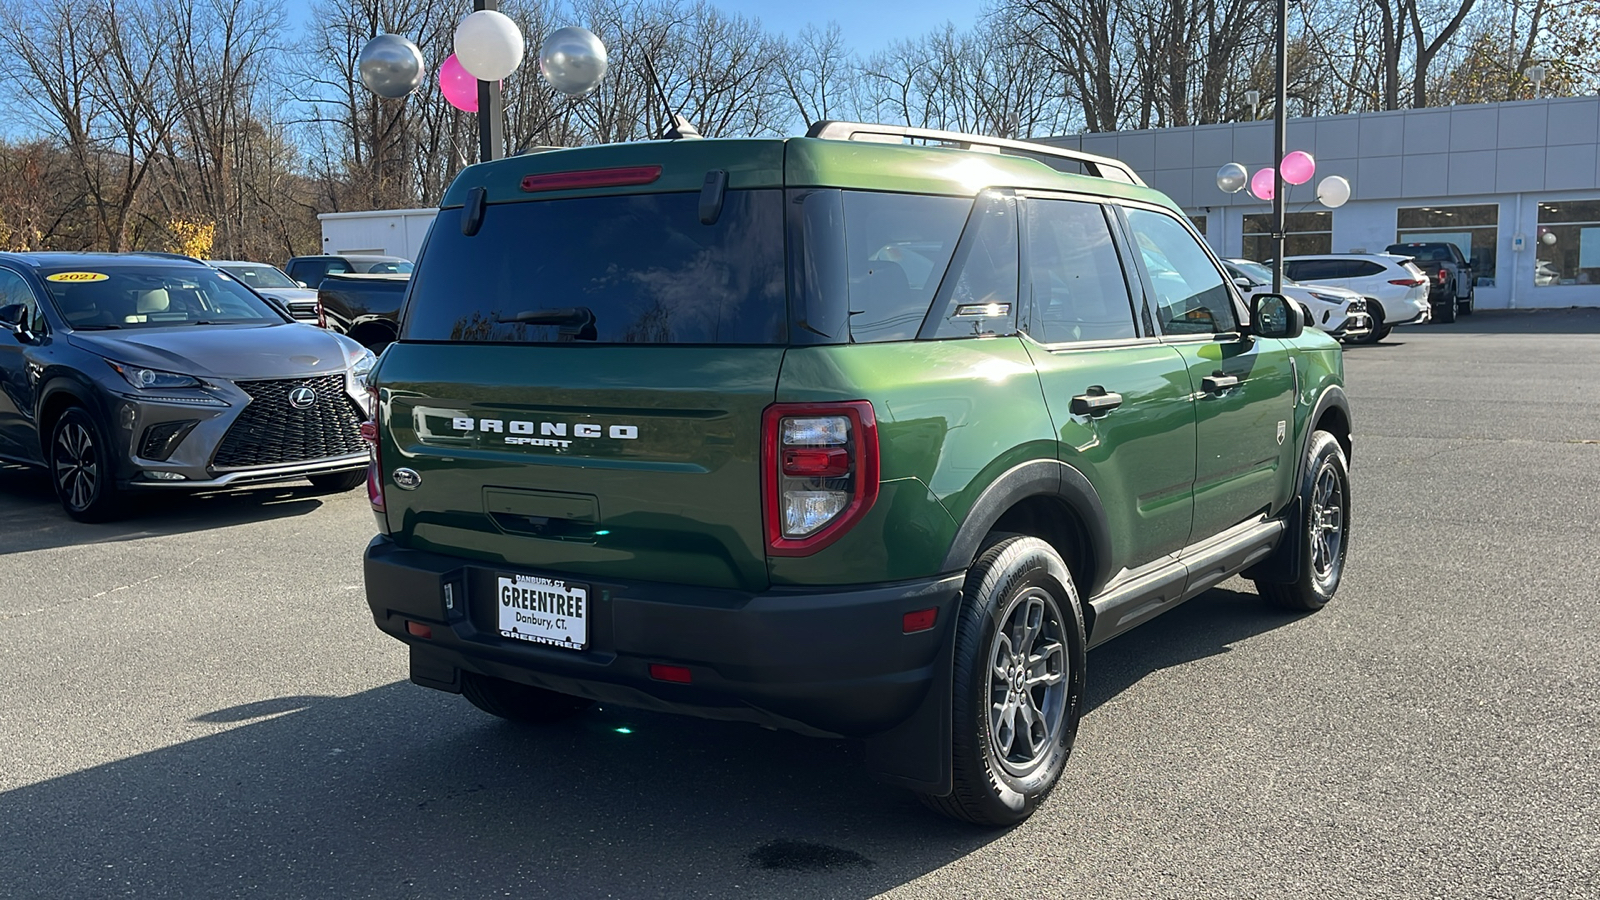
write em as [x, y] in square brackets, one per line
[1191, 295]
[13, 289]
[1368, 269]
[897, 249]
[980, 296]
[1075, 277]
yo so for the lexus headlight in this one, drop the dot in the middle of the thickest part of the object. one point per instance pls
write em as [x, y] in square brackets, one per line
[363, 364]
[143, 378]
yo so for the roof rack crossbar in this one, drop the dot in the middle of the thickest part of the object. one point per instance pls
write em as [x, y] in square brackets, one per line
[1098, 166]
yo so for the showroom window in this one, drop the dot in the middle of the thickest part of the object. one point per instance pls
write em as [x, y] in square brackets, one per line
[1305, 233]
[1471, 228]
[1199, 223]
[1568, 246]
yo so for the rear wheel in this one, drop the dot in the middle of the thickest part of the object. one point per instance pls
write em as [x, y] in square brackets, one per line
[1322, 532]
[81, 468]
[1447, 312]
[338, 482]
[1465, 306]
[519, 702]
[1018, 686]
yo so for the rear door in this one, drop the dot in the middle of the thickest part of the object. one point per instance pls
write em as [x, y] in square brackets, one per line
[1243, 387]
[578, 388]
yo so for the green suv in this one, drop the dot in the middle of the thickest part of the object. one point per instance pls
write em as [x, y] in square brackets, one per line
[854, 438]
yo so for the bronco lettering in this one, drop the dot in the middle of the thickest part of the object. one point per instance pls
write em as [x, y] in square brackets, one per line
[557, 429]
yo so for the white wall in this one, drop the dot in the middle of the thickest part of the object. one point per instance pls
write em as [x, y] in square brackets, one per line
[1512, 154]
[392, 232]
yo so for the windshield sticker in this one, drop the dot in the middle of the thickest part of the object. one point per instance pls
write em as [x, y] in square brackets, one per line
[75, 277]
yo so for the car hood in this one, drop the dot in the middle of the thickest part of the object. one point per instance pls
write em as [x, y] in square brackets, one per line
[225, 351]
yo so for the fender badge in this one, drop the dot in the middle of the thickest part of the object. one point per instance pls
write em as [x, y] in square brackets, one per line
[1281, 427]
[407, 479]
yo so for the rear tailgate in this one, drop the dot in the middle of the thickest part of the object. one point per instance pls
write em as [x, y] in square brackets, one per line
[608, 462]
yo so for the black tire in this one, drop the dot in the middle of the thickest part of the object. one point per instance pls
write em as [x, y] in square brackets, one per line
[1323, 531]
[338, 482]
[1379, 330]
[1447, 312]
[1383, 333]
[999, 781]
[1465, 306]
[519, 702]
[82, 468]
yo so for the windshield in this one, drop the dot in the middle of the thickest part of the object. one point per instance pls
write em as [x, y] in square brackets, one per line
[626, 269]
[260, 277]
[106, 297]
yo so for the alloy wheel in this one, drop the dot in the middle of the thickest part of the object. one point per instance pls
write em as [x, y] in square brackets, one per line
[1327, 523]
[77, 465]
[1027, 681]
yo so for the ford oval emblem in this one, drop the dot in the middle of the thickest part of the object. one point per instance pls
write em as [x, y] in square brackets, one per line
[407, 479]
[302, 397]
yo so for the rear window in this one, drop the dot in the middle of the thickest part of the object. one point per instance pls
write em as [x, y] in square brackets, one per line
[627, 269]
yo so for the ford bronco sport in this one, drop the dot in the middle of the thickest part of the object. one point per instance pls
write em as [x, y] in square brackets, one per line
[830, 434]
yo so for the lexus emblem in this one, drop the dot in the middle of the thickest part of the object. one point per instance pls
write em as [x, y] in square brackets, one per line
[302, 397]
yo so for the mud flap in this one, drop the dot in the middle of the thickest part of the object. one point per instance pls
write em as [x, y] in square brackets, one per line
[1283, 566]
[916, 753]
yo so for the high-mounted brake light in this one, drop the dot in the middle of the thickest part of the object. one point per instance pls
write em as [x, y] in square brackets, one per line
[591, 178]
[819, 466]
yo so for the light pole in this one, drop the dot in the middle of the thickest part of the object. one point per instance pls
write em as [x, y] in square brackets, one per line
[1280, 145]
[491, 106]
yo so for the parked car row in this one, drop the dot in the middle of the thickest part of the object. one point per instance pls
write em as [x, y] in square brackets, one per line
[1392, 287]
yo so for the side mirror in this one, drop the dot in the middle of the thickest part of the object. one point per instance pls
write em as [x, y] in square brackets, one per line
[14, 318]
[1276, 316]
[302, 284]
[1242, 282]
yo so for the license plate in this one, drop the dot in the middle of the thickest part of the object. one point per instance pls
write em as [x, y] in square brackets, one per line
[543, 611]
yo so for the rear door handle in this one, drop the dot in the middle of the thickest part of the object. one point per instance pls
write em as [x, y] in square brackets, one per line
[1218, 381]
[1095, 402]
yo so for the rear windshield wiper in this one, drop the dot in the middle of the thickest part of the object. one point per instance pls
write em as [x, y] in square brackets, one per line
[576, 322]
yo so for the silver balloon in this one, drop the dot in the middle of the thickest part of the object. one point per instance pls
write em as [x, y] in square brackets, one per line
[1232, 178]
[573, 60]
[390, 66]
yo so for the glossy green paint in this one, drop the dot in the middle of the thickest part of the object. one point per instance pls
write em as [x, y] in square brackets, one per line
[792, 162]
[1140, 457]
[952, 417]
[680, 503]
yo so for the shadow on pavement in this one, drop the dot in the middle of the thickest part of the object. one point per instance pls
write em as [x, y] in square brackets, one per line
[1569, 320]
[32, 519]
[401, 792]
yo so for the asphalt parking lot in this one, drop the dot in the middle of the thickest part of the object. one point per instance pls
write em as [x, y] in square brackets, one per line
[194, 703]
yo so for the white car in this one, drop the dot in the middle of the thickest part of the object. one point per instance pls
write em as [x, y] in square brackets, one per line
[270, 282]
[1340, 312]
[1396, 289]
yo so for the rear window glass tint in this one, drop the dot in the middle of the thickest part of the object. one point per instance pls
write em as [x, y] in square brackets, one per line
[897, 249]
[624, 269]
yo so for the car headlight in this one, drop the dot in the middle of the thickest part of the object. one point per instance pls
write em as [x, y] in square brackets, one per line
[142, 378]
[1328, 298]
[363, 364]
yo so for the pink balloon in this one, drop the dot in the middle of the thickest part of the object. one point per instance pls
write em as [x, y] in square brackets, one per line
[1298, 167]
[459, 86]
[1262, 184]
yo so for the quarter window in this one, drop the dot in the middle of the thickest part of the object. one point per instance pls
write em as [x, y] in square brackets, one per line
[979, 297]
[897, 249]
[1191, 295]
[1076, 281]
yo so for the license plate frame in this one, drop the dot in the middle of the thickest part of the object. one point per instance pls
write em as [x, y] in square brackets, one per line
[537, 610]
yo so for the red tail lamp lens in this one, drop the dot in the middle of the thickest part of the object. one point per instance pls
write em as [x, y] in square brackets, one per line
[1441, 276]
[591, 178]
[674, 674]
[417, 629]
[921, 620]
[816, 463]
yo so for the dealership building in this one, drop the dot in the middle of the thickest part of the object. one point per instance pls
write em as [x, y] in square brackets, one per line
[1515, 185]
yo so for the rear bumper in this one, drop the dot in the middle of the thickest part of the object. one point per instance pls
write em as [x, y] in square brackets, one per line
[832, 662]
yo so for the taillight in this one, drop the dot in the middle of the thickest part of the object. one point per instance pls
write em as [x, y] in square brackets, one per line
[819, 472]
[1408, 282]
[369, 433]
[1441, 276]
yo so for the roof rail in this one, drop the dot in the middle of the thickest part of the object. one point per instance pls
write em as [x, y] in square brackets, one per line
[1088, 163]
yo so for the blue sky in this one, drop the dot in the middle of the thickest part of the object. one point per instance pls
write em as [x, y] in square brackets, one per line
[868, 25]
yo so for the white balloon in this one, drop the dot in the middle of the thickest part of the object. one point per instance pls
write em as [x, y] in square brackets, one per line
[1232, 178]
[1333, 191]
[1548, 238]
[489, 45]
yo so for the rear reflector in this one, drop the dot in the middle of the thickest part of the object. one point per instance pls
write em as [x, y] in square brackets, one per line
[591, 178]
[921, 620]
[674, 674]
[417, 629]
